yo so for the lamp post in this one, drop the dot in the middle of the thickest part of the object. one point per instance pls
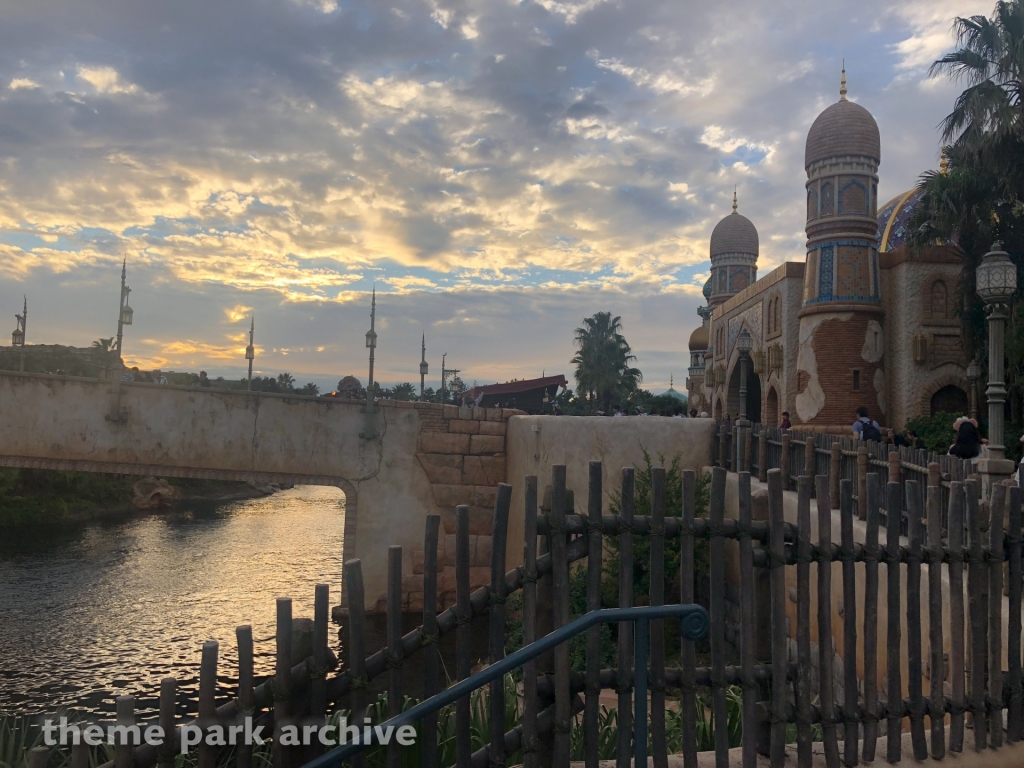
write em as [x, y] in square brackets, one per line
[18, 337]
[996, 280]
[744, 343]
[125, 313]
[423, 363]
[973, 374]
[250, 352]
[371, 344]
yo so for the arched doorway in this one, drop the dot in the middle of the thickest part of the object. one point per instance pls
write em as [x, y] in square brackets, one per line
[753, 394]
[771, 408]
[949, 399]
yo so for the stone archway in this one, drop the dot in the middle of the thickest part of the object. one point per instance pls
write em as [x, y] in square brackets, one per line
[956, 380]
[949, 399]
[753, 394]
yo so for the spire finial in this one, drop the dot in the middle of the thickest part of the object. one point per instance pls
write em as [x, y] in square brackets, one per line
[671, 381]
[842, 83]
[734, 204]
[252, 323]
[944, 162]
[124, 268]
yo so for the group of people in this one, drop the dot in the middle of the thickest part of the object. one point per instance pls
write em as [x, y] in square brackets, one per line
[676, 412]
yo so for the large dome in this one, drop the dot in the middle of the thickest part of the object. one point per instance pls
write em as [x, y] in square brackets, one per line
[734, 234]
[844, 128]
[700, 339]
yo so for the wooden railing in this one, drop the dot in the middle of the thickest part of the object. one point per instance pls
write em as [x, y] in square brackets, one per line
[774, 693]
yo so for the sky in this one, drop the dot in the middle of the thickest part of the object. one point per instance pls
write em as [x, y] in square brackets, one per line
[496, 169]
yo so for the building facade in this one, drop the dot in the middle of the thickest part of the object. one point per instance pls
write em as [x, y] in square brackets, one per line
[860, 321]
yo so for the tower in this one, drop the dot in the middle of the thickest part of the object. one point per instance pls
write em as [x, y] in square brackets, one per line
[733, 256]
[839, 363]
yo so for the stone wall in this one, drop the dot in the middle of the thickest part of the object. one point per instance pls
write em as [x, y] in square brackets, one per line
[462, 451]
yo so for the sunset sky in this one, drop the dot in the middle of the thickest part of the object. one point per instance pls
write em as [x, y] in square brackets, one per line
[498, 169]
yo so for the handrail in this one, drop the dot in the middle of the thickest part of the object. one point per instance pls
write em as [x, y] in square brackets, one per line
[693, 624]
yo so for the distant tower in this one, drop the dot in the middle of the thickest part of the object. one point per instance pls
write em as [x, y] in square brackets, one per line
[733, 256]
[423, 363]
[841, 343]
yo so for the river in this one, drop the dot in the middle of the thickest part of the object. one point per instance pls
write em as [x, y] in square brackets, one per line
[91, 612]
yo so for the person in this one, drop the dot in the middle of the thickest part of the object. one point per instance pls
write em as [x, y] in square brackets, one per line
[677, 413]
[785, 423]
[616, 412]
[704, 415]
[693, 413]
[159, 378]
[864, 428]
[968, 440]
[914, 440]
[204, 380]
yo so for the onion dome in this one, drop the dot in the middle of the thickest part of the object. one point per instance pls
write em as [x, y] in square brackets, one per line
[707, 289]
[843, 129]
[700, 339]
[734, 234]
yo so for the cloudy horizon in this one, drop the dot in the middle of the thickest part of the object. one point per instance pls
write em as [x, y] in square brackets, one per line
[496, 170]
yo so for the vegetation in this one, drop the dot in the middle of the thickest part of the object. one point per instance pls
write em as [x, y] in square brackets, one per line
[603, 362]
[979, 197]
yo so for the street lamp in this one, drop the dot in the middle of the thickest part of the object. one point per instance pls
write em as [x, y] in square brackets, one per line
[371, 344]
[18, 337]
[250, 352]
[125, 313]
[424, 368]
[973, 374]
[744, 343]
[996, 283]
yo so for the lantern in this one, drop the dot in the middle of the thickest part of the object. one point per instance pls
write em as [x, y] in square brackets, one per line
[996, 276]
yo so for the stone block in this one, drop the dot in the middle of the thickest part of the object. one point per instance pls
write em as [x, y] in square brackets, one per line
[481, 522]
[402, 403]
[481, 551]
[492, 427]
[444, 442]
[493, 414]
[483, 470]
[417, 562]
[507, 413]
[466, 412]
[442, 468]
[449, 496]
[449, 550]
[479, 444]
[479, 577]
[485, 496]
[464, 427]
[451, 411]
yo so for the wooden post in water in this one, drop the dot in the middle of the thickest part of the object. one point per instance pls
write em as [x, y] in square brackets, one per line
[496, 629]
[431, 654]
[955, 524]
[624, 747]
[873, 501]
[776, 562]
[394, 654]
[318, 668]
[688, 699]
[826, 690]
[463, 647]
[530, 709]
[207, 701]
[937, 704]
[659, 747]
[246, 703]
[39, 756]
[126, 718]
[282, 683]
[592, 702]
[356, 648]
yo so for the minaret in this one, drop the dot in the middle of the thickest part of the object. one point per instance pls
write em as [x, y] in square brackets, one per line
[423, 363]
[371, 343]
[250, 351]
[840, 357]
[734, 247]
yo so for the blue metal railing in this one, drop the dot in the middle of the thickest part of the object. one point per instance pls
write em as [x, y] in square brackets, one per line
[693, 624]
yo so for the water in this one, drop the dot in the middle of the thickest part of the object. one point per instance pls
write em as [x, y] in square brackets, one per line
[92, 612]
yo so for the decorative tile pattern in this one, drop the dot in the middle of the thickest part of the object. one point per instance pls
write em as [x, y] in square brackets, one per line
[825, 273]
[827, 199]
[812, 204]
[853, 198]
[752, 318]
[853, 272]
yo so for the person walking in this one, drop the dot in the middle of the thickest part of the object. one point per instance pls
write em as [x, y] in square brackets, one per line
[866, 429]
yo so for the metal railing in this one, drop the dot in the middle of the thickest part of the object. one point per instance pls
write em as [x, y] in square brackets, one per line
[693, 625]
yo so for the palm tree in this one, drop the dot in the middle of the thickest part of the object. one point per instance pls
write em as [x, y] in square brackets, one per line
[603, 360]
[286, 382]
[310, 389]
[103, 345]
[990, 59]
[403, 392]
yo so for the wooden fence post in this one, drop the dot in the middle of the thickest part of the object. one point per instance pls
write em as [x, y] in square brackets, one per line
[835, 473]
[560, 612]
[995, 634]
[826, 692]
[776, 550]
[624, 747]
[895, 467]
[810, 455]
[595, 544]
[688, 705]
[356, 647]
[38, 757]
[394, 655]
[431, 654]
[168, 699]
[862, 481]
[787, 438]
[126, 717]
[747, 623]
[281, 684]
[762, 454]
[463, 638]
[716, 548]
[722, 446]
[937, 704]
[496, 630]
[530, 709]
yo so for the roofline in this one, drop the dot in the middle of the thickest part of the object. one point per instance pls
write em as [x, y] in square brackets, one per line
[780, 273]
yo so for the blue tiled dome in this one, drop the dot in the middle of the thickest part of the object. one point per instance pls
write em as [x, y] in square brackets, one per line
[893, 219]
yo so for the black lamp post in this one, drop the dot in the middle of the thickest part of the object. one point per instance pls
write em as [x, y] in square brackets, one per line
[250, 352]
[996, 281]
[424, 369]
[371, 344]
[125, 313]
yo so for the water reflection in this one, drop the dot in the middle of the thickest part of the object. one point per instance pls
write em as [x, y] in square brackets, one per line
[94, 612]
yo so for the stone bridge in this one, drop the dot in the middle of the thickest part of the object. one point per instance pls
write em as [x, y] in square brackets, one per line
[396, 465]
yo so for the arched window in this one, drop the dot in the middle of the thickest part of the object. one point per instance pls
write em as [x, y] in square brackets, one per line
[778, 315]
[827, 199]
[771, 310]
[812, 204]
[938, 305]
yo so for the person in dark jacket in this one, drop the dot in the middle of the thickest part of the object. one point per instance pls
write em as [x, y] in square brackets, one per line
[968, 441]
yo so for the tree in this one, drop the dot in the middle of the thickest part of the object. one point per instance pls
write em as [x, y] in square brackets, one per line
[103, 345]
[310, 389]
[603, 360]
[403, 392]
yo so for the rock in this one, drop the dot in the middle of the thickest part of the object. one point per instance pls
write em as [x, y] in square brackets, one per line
[152, 493]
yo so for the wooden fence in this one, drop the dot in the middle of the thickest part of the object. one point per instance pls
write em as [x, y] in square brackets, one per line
[775, 694]
[838, 458]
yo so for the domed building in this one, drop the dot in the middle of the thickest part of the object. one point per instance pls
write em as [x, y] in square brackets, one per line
[859, 321]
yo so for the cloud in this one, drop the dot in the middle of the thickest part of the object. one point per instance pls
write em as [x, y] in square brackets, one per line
[106, 80]
[23, 83]
[238, 312]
